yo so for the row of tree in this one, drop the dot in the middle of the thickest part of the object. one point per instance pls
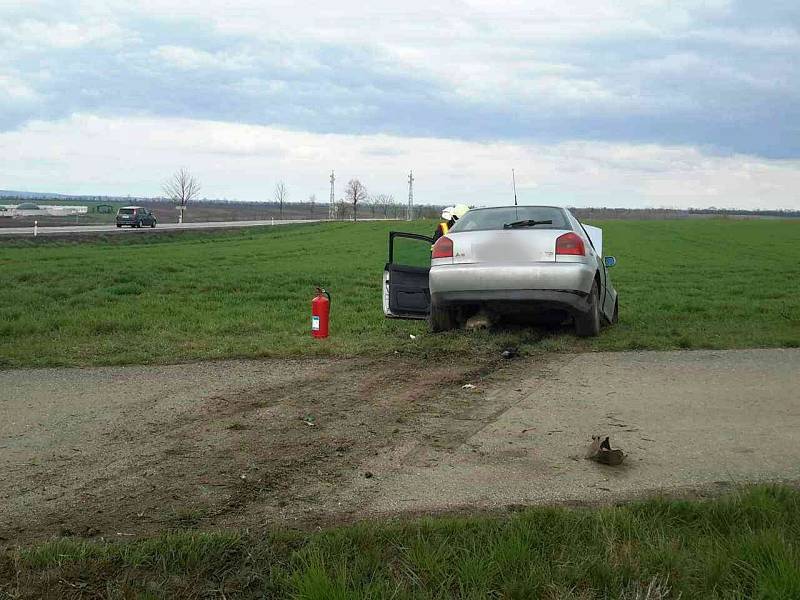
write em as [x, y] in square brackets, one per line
[355, 195]
[184, 187]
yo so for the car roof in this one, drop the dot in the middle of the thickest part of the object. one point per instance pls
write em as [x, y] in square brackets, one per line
[131, 207]
[520, 206]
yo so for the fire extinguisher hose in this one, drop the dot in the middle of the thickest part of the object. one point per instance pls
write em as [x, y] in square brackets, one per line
[322, 290]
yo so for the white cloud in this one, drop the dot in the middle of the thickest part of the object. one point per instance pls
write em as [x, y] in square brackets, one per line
[83, 154]
[185, 57]
[16, 91]
[778, 38]
[697, 72]
[40, 34]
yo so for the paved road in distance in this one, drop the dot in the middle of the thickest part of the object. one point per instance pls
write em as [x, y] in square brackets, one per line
[72, 229]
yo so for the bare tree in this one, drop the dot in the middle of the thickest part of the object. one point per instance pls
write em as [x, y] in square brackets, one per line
[389, 206]
[341, 210]
[382, 202]
[371, 202]
[280, 194]
[181, 188]
[354, 193]
[312, 200]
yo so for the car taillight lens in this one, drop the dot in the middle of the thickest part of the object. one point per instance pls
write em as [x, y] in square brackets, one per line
[570, 243]
[443, 248]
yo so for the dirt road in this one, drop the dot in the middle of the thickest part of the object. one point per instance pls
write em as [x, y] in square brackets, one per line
[133, 450]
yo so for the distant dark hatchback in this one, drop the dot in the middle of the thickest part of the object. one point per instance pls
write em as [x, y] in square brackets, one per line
[135, 216]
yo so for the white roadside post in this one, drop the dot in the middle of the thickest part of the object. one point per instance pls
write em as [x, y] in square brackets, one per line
[35, 228]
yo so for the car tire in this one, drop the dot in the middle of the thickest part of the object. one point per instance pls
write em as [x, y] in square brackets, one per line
[588, 324]
[615, 318]
[153, 225]
[441, 318]
[119, 226]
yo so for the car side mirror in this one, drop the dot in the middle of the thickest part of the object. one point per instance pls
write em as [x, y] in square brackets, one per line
[609, 261]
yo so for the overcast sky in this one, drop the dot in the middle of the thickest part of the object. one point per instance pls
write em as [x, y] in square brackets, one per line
[593, 102]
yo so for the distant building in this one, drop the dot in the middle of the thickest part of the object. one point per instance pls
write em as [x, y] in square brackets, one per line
[29, 209]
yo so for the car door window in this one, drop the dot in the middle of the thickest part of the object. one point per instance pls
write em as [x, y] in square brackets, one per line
[411, 252]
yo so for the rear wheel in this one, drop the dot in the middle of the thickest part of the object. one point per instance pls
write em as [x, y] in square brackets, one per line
[615, 318]
[441, 318]
[588, 324]
[153, 224]
[119, 226]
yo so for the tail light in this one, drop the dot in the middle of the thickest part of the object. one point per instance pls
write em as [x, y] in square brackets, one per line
[443, 248]
[570, 243]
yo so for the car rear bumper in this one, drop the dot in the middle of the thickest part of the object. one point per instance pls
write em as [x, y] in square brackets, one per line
[571, 277]
[509, 300]
[543, 286]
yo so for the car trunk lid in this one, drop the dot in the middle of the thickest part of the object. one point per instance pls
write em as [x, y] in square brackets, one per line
[505, 246]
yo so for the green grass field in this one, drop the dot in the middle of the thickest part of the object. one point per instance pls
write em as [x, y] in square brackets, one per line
[169, 298]
[746, 545]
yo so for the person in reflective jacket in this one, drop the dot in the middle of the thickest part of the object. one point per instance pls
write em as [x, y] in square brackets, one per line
[446, 223]
[450, 215]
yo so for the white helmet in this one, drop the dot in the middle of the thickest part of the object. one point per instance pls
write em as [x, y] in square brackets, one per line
[447, 213]
[459, 210]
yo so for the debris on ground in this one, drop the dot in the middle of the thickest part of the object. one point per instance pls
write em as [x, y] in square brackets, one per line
[467, 386]
[510, 352]
[600, 450]
[479, 321]
[368, 475]
[412, 336]
[310, 420]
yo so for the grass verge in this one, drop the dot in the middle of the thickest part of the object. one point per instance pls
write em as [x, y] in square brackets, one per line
[740, 546]
[717, 283]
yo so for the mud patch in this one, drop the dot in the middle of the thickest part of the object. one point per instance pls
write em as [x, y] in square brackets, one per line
[124, 452]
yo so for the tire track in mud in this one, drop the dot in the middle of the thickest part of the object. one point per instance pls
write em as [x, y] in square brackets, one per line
[242, 442]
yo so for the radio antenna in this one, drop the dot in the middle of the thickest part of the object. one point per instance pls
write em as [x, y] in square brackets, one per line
[514, 183]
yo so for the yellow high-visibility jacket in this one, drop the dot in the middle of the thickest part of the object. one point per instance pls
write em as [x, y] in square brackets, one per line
[441, 229]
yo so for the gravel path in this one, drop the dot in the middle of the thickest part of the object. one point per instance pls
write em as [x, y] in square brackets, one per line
[133, 450]
[688, 421]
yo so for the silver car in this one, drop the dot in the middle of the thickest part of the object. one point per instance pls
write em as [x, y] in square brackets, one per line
[512, 260]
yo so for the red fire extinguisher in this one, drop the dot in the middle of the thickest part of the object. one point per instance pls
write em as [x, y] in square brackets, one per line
[320, 313]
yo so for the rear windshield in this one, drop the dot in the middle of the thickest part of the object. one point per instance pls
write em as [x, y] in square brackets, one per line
[126, 211]
[494, 218]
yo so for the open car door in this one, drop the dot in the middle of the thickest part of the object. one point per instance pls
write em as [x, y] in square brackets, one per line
[608, 296]
[406, 294]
